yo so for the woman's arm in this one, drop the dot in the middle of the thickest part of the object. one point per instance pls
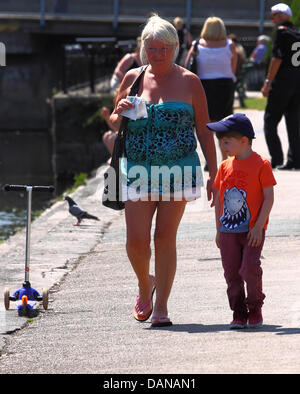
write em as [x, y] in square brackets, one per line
[187, 60]
[121, 103]
[205, 136]
[217, 215]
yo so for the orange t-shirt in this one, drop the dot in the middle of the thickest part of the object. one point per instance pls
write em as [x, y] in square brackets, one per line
[241, 184]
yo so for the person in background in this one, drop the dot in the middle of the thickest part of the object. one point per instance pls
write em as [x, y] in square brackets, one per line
[258, 54]
[216, 68]
[128, 61]
[241, 53]
[185, 39]
[110, 135]
[240, 86]
[282, 87]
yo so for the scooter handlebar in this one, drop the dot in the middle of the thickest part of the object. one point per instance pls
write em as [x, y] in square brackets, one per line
[24, 188]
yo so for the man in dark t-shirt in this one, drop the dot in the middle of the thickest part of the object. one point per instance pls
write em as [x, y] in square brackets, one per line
[282, 87]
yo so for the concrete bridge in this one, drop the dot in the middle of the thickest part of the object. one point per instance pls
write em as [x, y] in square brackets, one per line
[125, 17]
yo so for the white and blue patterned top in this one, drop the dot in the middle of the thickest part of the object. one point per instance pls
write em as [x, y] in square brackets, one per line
[161, 157]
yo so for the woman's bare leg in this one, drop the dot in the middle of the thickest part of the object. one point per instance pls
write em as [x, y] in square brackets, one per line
[169, 214]
[139, 217]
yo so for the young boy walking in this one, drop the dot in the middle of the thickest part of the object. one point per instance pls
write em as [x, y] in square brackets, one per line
[245, 196]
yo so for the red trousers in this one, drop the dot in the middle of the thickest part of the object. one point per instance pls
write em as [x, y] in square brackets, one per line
[241, 264]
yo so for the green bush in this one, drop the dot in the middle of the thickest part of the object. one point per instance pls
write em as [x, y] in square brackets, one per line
[295, 6]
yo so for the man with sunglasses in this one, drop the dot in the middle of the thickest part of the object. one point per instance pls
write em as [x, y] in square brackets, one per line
[282, 87]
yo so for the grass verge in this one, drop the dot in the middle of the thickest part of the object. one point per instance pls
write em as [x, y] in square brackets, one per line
[255, 103]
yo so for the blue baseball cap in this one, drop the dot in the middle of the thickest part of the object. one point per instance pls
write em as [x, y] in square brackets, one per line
[236, 122]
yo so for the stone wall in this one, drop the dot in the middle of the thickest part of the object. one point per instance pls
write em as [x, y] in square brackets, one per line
[26, 157]
[77, 130]
[72, 145]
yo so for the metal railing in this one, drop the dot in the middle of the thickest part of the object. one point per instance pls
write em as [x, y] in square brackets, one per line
[62, 7]
[90, 61]
[187, 9]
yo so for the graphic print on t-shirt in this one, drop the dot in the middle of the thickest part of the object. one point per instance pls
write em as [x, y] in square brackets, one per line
[236, 214]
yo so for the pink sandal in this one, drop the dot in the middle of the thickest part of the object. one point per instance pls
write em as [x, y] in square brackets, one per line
[139, 308]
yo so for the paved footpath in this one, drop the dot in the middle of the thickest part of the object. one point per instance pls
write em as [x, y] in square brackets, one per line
[88, 327]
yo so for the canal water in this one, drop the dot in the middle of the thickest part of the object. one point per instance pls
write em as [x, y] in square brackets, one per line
[13, 210]
[13, 207]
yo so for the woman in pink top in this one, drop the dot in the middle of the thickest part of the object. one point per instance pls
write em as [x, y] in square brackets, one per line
[128, 61]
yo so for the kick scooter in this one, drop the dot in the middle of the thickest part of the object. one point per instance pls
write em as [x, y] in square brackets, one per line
[27, 297]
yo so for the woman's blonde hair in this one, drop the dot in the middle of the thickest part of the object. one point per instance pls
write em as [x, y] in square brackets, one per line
[214, 29]
[158, 29]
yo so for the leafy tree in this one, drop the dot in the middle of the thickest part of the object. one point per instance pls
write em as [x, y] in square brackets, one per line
[295, 6]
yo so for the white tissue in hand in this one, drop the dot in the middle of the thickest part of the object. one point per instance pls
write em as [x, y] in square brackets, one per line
[139, 111]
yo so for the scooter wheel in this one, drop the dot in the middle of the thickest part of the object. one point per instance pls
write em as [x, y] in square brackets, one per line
[45, 298]
[6, 298]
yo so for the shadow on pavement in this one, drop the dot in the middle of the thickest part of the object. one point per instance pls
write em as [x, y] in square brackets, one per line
[201, 328]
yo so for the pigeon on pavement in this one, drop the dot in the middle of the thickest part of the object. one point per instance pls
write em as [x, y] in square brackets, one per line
[76, 211]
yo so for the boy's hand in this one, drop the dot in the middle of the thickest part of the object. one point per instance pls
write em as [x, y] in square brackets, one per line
[218, 239]
[255, 236]
[211, 192]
